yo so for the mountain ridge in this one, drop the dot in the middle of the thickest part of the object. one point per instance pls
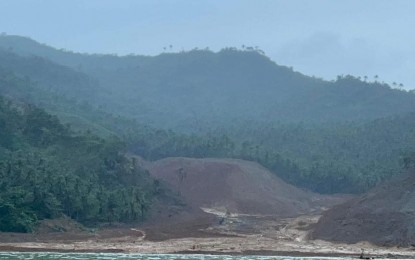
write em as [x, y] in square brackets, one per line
[178, 90]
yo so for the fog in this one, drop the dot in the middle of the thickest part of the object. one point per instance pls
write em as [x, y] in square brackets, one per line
[321, 38]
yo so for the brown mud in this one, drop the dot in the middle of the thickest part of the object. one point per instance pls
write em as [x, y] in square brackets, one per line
[235, 235]
[215, 206]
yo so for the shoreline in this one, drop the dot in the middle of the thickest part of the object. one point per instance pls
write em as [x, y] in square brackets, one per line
[16, 249]
[55, 248]
[13, 249]
[265, 236]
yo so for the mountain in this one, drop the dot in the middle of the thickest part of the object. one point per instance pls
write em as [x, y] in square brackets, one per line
[341, 136]
[75, 152]
[199, 89]
[384, 216]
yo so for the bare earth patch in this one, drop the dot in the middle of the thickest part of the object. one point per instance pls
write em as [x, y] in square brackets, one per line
[263, 235]
[222, 206]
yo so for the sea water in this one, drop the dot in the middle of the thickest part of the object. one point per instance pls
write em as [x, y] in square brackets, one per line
[111, 256]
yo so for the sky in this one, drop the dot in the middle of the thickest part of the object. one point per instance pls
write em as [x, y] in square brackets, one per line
[323, 38]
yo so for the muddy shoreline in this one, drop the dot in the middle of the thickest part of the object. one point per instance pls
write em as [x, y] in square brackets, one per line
[265, 235]
[189, 252]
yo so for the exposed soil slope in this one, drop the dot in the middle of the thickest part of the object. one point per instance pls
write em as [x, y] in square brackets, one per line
[385, 216]
[235, 186]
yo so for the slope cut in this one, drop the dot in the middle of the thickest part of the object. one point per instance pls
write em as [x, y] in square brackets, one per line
[384, 216]
[236, 186]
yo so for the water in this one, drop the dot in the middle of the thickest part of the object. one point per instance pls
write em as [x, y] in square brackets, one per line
[111, 256]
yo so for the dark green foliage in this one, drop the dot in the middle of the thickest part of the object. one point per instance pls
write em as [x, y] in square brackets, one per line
[47, 171]
[14, 219]
[338, 157]
[321, 135]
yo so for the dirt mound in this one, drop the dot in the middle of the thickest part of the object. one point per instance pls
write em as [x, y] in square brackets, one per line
[384, 216]
[234, 186]
[63, 224]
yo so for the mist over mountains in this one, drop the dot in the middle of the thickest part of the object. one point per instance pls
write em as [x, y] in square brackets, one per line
[345, 135]
[200, 89]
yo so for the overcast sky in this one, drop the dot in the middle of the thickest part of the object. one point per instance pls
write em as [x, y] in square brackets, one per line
[324, 38]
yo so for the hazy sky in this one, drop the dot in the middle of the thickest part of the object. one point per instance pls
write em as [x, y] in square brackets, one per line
[324, 38]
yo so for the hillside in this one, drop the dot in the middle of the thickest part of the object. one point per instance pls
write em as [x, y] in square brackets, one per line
[342, 157]
[48, 75]
[235, 186]
[199, 88]
[384, 216]
[229, 104]
[48, 171]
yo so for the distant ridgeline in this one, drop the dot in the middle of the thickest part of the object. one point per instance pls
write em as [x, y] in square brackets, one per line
[329, 136]
[47, 171]
[201, 88]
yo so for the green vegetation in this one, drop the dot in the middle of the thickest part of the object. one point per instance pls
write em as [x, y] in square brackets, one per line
[46, 171]
[343, 136]
[336, 158]
[344, 157]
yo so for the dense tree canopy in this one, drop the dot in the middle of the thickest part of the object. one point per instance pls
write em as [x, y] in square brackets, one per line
[46, 171]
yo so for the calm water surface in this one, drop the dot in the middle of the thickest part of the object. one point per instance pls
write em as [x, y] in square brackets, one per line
[109, 256]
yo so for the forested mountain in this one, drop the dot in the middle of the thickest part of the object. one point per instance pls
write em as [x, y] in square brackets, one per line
[47, 171]
[340, 136]
[199, 89]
